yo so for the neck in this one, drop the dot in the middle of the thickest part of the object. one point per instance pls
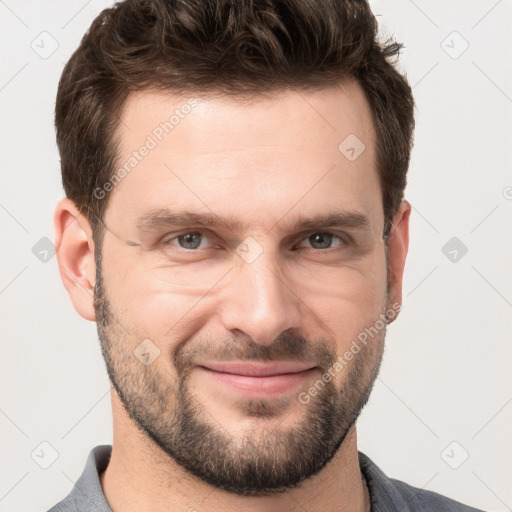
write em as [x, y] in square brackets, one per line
[142, 478]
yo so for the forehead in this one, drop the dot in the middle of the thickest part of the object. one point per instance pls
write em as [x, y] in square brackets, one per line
[258, 158]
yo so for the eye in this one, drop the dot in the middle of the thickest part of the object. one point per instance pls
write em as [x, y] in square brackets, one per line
[324, 240]
[188, 241]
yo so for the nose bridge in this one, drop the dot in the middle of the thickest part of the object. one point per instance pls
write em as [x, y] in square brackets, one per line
[259, 301]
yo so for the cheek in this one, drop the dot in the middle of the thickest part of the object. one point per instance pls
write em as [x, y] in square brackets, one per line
[345, 300]
[149, 307]
[354, 319]
[343, 313]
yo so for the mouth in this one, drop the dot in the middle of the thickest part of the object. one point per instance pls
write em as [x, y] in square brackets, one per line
[256, 378]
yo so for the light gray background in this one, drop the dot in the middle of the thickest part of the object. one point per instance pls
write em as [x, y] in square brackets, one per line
[446, 372]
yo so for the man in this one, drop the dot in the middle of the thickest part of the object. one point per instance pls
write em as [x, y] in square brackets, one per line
[235, 224]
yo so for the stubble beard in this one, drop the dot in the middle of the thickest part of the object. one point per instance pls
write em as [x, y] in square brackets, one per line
[261, 462]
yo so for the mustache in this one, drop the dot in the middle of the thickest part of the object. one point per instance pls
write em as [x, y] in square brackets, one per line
[286, 347]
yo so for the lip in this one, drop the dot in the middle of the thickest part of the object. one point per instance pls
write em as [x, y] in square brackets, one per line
[254, 379]
[258, 369]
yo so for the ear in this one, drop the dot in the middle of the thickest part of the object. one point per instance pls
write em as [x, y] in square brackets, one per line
[75, 255]
[398, 245]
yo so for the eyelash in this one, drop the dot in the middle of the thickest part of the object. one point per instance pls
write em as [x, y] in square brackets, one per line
[343, 237]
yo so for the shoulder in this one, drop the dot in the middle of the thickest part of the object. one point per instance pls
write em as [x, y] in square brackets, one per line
[422, 500]
[87, 493]
[390, 494]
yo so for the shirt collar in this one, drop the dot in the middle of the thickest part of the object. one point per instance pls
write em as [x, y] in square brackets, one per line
[88, 492]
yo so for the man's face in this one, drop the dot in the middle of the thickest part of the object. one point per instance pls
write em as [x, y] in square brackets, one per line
[172, 299]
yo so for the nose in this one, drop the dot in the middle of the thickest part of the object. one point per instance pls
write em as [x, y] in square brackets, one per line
[259, 301]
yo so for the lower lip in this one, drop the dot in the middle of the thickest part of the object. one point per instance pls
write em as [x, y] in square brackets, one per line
[271, 385]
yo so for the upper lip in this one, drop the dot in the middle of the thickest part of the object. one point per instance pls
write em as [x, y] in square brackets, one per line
[258, 369]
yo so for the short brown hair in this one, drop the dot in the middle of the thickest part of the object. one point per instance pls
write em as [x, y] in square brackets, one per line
[233, 47]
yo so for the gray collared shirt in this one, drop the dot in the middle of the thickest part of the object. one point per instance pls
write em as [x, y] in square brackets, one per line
[386, 494]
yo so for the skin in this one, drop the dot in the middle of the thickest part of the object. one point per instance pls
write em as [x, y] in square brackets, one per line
[262, 162]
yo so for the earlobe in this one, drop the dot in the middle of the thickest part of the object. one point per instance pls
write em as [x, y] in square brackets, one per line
[75, 256]
[398, 245]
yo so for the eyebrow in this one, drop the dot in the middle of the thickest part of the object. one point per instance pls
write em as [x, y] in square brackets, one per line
[157, 219]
